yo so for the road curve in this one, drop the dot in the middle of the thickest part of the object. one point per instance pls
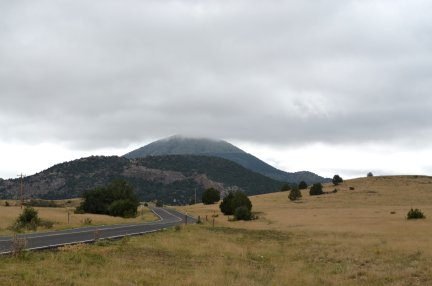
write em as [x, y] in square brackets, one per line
[43, 240]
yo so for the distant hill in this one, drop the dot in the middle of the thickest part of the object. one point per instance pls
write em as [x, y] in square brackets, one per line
[171, 179]
[179, 145]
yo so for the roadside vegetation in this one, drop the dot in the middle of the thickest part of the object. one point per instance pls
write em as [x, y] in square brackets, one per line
[116, 199]
[238, 257]
[59, 218]
[29, 220]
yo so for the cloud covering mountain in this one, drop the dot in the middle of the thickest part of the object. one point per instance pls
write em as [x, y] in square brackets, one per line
[103, 74]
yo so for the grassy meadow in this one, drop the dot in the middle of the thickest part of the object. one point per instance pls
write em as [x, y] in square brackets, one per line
[356, 236]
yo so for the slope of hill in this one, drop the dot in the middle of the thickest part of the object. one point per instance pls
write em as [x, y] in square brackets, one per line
[178, 145]
[171, 179]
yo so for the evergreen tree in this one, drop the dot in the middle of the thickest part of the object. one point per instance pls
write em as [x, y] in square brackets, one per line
[210, 196]
[117, 199]
[302, 185]
[316, 190]
[295, 194]
[337, 180]
[234, 200]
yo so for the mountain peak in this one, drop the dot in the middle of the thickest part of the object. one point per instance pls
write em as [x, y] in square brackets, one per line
[184, 145]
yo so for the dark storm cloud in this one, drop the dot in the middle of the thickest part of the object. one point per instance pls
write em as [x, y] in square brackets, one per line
[107, 73]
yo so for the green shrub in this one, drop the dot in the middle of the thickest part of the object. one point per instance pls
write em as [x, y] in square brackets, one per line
[101, 200]
[210, 196]
[225, 205]
[316, 190]
[415, 214]
[242, 213]
[123, 208]
[28, 219]
[295, 194]
[302, 185]
[234, 200]
[337, 180]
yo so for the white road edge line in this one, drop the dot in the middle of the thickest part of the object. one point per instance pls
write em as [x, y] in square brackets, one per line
[110, 237]
[94, 228]
[87, 241]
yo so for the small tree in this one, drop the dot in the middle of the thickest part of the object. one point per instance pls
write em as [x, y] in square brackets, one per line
[316, 190]
[242, 213]
[370, 174]
[123, 208]
[337, 180]
[295, 194]
[210, 196]
[302, 185]
[225, 205]
[100, 199]
[234, 200]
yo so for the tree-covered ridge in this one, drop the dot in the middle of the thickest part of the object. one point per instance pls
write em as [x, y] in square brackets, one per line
[171, 179]
[216, 169]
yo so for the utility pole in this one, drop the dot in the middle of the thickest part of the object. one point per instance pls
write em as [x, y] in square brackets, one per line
[21, 190]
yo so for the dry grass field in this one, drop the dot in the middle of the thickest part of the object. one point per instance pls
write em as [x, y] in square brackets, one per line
[59, 216]
[352, 237]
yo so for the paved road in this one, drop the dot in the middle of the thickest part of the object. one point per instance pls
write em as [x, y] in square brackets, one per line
[42, 240]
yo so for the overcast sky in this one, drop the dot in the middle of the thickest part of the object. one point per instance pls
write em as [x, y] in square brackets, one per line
[326, 86]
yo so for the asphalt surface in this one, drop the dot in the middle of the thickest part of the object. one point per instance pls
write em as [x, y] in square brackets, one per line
[44, 240]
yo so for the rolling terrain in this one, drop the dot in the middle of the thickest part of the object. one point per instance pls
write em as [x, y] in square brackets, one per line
[180, 145]
[356, 236]
[171, 179]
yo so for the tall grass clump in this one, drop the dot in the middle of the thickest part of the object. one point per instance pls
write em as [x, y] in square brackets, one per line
[415, 214]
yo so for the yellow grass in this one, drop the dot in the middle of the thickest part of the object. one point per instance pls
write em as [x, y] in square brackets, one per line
[376, 209]
[352, 237]
[59, 216]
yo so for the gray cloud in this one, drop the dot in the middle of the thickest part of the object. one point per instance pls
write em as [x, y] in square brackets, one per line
[108, 73]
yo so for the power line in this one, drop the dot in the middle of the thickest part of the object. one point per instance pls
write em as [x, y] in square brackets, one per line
[21, 190]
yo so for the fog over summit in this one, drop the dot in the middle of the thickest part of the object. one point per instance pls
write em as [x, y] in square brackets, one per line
[181, 145]
[338, 87]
